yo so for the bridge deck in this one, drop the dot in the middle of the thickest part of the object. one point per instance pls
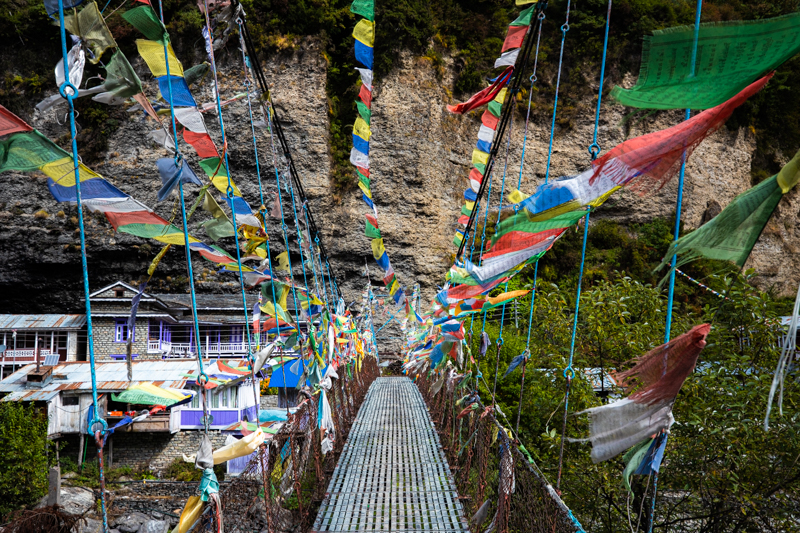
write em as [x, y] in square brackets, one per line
[392, 474]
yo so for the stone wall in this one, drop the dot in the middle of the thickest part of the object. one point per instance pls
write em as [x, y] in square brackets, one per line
[104, 345]
[144, 451]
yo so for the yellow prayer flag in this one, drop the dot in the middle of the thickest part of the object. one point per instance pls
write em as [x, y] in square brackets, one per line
[221, 183]
[479, 157]
[361, 128]
[365, 190]
[469, 205]
[394, 287]
[191, 512]
[789, 174]
[516, 196]
[283, 261]
[506, 296]
[153, 54]
[62, 172]
[174, 238]
[365, 32]
[526, 2]
[501, 96]
[377, 248]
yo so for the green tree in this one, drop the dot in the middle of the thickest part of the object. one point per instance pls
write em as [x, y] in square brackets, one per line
[25, 456]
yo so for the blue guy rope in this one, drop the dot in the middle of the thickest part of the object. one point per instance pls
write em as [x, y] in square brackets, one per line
[564, 30]
[533, 78]
[676, 234]
[594, 148]
[679, 203]
[202, 377]
[229, 191]
[70, 92]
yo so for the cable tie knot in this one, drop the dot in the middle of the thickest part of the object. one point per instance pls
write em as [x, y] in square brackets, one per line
[500, 342]
[229, 192]
[565, 27]
[569, 373]
[594, 150]
[541, 13]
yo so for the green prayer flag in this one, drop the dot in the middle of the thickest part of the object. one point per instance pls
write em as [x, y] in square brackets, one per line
[365, 8]
[520, 222]
[481, 168]
[220, 226]
[196, 73]
[465, 210]
[364, 111]
[731, 235]
[495, 108]
[209, 165]
[363, 179]
[144, 19]
[371, 231]
[121, 79]
[524, 18]
[633, 458]
[25, 152]
[150, 231]
[90, 25]
[730, 56]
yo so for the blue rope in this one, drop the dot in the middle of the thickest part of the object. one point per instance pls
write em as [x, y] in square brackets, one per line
[387, 322]
[533, 78]
[676, 232]
[229, 190]
[70, 92]
[500, 340]
[594, 148]
[564, 30]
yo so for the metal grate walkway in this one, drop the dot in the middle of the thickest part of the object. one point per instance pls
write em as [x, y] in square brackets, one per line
[392, 474]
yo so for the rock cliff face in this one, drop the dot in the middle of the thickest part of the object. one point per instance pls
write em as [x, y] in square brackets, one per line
[420, 162]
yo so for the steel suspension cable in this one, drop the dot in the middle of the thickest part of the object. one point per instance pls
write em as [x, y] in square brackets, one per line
[68, 91]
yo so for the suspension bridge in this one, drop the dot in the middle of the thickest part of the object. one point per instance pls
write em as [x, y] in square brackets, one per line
[430, 451]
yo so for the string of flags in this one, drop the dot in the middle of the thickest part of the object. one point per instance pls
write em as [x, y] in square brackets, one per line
[364, 35]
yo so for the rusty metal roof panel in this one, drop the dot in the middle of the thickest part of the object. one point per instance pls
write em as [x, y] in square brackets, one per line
[34, 395]
[111, 376]
[8, 322]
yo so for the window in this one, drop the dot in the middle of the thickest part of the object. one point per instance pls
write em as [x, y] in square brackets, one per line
[234, 400]
[196, 399]
[214, 400]
[70, 400]
[121, 332]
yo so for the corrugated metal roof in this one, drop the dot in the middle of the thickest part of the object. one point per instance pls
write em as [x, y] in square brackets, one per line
[32, 395]
[42, 321]
[112, 376]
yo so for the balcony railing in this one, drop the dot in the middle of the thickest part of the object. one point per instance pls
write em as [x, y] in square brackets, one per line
[181, 349]
[10, 357]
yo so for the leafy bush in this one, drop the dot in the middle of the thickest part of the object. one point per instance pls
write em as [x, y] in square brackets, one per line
[26, 455]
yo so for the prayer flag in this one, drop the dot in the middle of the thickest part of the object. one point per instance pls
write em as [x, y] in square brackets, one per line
[732, 54]
[11, 123]
[153, 54]
[364, 54]
[202, 144]
[525, 17]
[514, 37]
[484, 96]
[507, 58]
[365, 8]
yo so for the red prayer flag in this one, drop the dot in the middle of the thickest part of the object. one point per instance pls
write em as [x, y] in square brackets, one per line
[483, 97]
[463, 220]
[366, 96]
[649, 161]
[11, 123]
[363, 170]
[372, 220]
[515, 241]
[475, 175]
[135, 217]
[202, 144]
[489, 120]
[462, 292]
[514, 37]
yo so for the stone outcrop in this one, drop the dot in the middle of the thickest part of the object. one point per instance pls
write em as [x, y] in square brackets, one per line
[420, 162]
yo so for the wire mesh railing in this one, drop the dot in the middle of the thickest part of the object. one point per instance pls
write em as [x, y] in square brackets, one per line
[282, 486]
[499, 488]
